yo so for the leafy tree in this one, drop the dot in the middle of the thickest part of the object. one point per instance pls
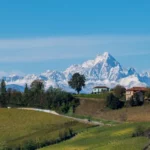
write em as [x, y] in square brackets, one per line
[77, 82]
[9, 92]
[54, 98]
[119, 91]
[16, 98]
[60, 100]
[37, 86]
[113, 102]
[37, 91]
[3, 94]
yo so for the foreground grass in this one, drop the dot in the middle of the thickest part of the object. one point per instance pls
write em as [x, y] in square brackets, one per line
[105, 138]
[20, 126]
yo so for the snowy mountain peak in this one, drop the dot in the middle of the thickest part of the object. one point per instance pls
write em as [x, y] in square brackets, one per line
[132, 71]
[147, 74]
[103, 67]
[104, 58]
[105, 54]
[12, 75]
[103, 70]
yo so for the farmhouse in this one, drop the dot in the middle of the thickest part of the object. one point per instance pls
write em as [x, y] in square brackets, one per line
[100, 89]
[130, 92]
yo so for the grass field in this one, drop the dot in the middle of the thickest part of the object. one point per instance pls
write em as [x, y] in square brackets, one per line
[20, 126]
[105, 138]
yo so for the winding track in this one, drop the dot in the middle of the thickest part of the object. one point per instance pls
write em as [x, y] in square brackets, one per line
[55, 113]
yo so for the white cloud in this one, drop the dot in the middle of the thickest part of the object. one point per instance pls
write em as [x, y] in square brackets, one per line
[134, 53]
[37, 58]
[40, 49]
[69, 41]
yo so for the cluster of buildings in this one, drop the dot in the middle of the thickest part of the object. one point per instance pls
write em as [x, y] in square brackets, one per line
[129, 92]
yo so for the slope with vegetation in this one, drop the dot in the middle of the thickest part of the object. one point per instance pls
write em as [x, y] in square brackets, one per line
[118, 137]
[99, 106]
[26, 129]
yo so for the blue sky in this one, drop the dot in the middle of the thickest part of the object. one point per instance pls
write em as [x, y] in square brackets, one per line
[38, 35]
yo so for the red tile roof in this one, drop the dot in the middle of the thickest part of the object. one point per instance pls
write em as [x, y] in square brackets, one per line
[137, 89]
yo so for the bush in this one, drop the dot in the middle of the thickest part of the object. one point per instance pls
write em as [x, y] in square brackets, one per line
[60, 100]
[66, 134]
[113, 102]
[119, 91]
[137, 99]
[29, 145]
[139, 131]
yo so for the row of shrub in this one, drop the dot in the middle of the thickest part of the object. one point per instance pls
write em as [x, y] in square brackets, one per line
[141, 131]
[33, 145]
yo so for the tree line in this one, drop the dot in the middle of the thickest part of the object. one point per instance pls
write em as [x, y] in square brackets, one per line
[36, 96]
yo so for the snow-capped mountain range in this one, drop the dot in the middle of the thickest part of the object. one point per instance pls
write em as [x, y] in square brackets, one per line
[103, 70]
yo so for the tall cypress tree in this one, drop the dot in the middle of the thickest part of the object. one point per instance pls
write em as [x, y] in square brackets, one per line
[3, 94]
[26, 96]
[9, 95]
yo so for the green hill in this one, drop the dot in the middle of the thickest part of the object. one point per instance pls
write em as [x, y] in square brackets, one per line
[105, 138]
[24, 127]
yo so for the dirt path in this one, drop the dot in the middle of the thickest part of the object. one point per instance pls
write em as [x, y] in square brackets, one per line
[85, 120]
[55, 113]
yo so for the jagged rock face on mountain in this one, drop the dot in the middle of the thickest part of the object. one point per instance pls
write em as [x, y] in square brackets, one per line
[103, 70]
[104, 67]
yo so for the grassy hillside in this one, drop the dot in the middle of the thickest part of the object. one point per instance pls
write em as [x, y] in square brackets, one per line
[105, 138]
[95, 107]
[20, 126]
[90, 106]
[97, 96]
